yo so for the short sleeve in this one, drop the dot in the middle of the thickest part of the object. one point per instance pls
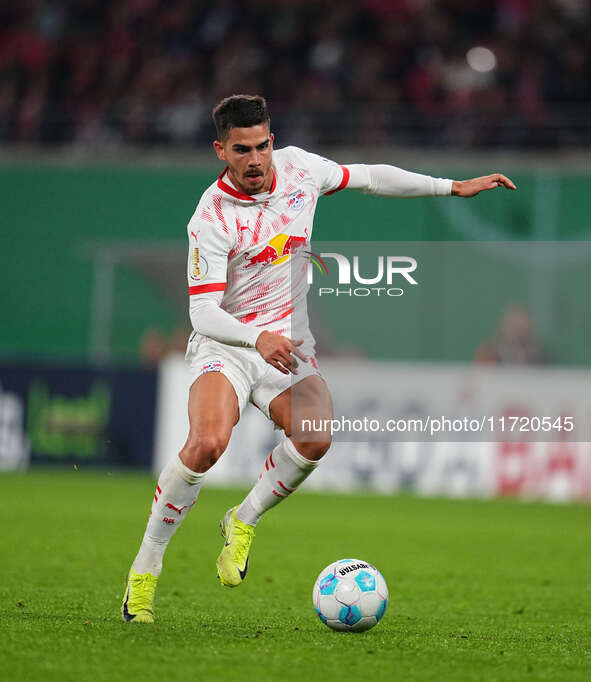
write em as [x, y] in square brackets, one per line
[329, 175]
[208, 257]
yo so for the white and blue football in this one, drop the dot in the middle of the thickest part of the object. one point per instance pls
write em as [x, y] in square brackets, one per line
[350, 595]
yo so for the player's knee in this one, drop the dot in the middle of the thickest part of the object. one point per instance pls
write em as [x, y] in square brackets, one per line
[203, 451]
[313, 450]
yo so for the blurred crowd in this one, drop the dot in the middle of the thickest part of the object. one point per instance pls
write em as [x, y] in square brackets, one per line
[455, 73]
[155, 344]
[514, 342]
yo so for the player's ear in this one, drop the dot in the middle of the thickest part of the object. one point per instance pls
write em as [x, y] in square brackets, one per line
[219, 150]
[271, 137]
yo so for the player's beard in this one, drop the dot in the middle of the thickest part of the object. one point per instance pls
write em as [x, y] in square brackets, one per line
[250, 181]
[254, 182]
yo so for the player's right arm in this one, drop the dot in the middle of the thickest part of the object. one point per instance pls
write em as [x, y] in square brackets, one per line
[207, 266]
[279, 351]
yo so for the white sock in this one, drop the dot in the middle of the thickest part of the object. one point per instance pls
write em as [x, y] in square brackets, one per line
[283, 472]
[176, 493]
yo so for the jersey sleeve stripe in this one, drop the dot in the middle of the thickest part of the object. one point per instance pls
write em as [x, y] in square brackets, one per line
[343, 184]
[204, 288]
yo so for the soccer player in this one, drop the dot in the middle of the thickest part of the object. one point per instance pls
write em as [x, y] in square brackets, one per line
[246, 291]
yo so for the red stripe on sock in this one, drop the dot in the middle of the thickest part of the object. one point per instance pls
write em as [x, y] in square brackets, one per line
[271, 459]
[287, 490]
[278, 494]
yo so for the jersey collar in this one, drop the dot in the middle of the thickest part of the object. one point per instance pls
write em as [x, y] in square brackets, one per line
[229, 189]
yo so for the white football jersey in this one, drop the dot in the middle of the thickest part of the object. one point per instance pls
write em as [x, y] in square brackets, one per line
[255, 249]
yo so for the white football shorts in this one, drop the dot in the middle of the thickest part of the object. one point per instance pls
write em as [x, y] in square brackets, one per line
[253, 379]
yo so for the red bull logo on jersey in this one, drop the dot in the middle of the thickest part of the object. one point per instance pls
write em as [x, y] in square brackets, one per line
[277, 250]
[295, 200]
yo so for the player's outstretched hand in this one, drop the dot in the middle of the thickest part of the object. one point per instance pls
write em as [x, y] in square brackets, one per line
[470, 188]
[280, 351]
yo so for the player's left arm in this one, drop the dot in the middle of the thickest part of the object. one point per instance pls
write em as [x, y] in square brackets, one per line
[391, 181]
[470, 188]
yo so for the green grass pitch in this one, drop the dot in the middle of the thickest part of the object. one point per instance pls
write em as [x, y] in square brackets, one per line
[479, 590]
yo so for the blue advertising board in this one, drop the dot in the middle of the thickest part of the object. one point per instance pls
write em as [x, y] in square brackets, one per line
[76, 415]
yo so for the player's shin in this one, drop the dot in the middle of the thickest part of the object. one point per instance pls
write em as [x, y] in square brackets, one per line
[284, 470]
[176, 492]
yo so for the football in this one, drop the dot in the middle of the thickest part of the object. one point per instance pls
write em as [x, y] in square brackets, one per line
[350, 595]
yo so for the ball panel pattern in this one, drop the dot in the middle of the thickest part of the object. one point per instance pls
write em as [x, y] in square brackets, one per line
[350, 595]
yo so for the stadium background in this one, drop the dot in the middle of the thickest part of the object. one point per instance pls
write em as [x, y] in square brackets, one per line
[105, 135]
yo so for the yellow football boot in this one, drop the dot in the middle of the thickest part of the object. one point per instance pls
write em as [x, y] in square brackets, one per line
[138, 601]
[232, 562]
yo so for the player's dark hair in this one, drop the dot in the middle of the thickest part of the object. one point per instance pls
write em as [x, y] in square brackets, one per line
[239, 111]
